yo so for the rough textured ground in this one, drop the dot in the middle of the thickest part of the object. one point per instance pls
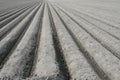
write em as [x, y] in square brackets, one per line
[59, 40]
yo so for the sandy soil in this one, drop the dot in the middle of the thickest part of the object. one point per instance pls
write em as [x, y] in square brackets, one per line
[59, 39]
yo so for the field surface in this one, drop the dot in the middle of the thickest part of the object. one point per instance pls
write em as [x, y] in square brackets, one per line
[60, 39]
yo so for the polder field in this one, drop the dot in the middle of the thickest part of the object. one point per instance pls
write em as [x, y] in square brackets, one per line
[59, 39]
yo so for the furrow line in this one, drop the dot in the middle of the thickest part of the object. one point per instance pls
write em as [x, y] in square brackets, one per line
[102, 60]
[7, 28]
[58, 49]
[12, 17]
[14, 37]
[10, 9]
[106, 28]
[107, 41]
[12, 13]
[78, 65]
[102, 20]
[20, 62]
[15, 9]
[46, 53]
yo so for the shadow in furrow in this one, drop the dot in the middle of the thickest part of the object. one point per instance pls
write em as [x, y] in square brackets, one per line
[12, 45]
[33, 54]
[8, 28]
[59, 54]
[7, 20]
[88, 57]
[94, 37]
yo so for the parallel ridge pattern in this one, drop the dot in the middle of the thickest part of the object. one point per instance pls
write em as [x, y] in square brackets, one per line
[47, 41]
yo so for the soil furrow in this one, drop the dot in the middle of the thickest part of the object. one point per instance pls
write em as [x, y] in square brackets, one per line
[7, 28]
[97, 17]
[106, 28]
[12, 13]
[59, 40]
[104, 64]
[23, 55]
[12, 17]
[78, 66]
[58, 49]
[110, 30]
[107, 41]
[46, 53]
[12, 9]
[14, 36]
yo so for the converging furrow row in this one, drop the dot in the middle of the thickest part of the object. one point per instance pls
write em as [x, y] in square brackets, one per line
[41, 40]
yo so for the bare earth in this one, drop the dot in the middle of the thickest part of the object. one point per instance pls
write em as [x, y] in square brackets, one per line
[59, 40]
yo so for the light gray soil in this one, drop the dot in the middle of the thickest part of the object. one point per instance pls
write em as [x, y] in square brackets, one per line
[59, 40]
